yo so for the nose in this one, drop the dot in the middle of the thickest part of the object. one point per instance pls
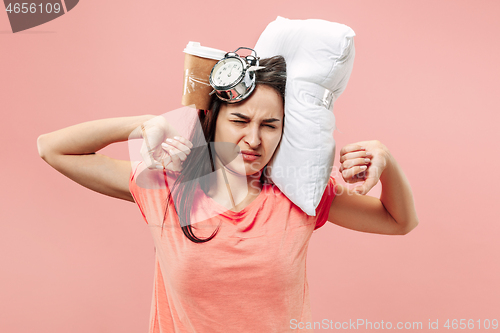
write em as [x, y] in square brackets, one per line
[252, 136]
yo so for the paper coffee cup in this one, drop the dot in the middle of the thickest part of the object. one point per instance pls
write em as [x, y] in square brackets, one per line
[198, 64]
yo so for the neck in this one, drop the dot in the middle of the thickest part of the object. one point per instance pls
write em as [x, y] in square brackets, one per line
[231, 188]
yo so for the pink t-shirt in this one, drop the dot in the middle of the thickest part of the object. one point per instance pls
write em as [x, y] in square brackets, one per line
[251, 277]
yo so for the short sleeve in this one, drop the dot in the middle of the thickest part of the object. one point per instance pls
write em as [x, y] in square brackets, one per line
[134, 189]
[326, 201]
[150, 189]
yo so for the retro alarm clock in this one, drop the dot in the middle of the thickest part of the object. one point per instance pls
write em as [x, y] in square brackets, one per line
[233, 77]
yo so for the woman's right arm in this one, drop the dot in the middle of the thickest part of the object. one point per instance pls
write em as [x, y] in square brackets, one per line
[72, 152]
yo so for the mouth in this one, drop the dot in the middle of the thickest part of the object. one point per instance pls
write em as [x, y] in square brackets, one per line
[248, 152]
[249, 155]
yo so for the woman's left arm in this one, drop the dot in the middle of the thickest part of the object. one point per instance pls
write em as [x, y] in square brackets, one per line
[397, 196]
[394, 212]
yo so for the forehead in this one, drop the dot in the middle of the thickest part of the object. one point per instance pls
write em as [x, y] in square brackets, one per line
[265, 102]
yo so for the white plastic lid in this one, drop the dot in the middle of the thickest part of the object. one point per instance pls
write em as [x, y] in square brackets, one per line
[196, 49]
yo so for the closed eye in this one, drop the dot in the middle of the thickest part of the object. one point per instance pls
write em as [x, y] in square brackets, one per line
[239, 121]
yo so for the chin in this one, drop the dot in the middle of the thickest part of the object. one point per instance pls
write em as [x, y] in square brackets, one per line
[250, 168]
[253, 169]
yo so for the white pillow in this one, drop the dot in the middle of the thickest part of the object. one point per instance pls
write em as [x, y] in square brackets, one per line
[319, 58]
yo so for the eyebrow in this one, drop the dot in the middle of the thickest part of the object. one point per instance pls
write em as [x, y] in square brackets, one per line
[269, 120]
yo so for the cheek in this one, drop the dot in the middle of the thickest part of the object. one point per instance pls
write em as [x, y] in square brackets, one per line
[274, 141]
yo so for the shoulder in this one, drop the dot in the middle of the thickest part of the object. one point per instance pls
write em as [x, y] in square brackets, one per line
[323, 208]
[142, 178]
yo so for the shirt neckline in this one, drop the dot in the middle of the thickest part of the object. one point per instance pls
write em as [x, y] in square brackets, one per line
[232, 214]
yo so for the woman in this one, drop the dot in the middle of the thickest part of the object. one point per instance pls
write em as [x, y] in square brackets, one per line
[237, 261]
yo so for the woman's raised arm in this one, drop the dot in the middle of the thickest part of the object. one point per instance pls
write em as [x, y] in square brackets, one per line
[72, 152]
[394, 213]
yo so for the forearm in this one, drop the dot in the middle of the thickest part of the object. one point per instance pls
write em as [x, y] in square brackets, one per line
[397, 196]
[91, 136]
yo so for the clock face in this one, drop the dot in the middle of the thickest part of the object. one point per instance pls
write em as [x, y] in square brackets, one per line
[227, 72]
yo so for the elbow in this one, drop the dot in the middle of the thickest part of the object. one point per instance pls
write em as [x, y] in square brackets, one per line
[42, 146]
[409, 227]
[39, 145]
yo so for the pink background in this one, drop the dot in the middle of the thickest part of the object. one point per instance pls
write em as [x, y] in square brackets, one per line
[425, 83]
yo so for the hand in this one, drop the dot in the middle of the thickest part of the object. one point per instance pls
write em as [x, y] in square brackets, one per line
[352, 161]
[159, 150]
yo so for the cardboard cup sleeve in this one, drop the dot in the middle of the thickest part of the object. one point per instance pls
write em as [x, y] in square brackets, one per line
[196, 84]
